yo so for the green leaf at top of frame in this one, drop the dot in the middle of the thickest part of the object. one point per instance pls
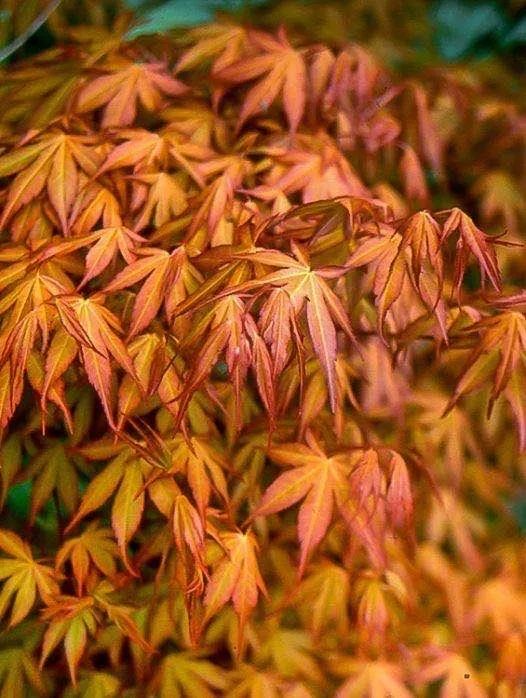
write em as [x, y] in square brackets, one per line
[463, 26]
[179, 13]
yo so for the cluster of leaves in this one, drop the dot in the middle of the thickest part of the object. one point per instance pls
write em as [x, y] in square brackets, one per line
[237, 283]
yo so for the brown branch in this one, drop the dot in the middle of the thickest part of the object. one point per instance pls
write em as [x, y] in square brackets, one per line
[35, 25]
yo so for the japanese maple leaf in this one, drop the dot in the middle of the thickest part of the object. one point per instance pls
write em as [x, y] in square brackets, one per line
[124, 84]
[284, 71]
[103, 253]
[153, 153]
[221, 43]
[94, 206]
[22, 578]
[450, 518]
[498, 355]
[53, 471]
[501, 198]
[96, 332]
[71, 620]
[94, 548]
[410, 253]
[413, 176]
[161, 200]
[236, 578]
[471, 241]
[323, 598]
[19, 672]
[164, 278]
[125, 476]
[458, 677]
[371, 678]
[304, 286]
[316, 167]
[319, 479]
[203, 464]
[158, 372]
[501, 601]
[187, 675]
[228, 174]
[290, 651]
[189, 535]
[51, 161]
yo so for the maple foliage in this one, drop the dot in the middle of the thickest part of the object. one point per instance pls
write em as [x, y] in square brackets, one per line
[262, 373]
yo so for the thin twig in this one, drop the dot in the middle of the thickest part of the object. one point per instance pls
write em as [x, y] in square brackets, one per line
[35, 25]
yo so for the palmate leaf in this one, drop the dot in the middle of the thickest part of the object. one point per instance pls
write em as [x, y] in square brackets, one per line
[93, 549]
[184, 675]
[472, 241]
[24, 578]
[19, 674]
[125, 476]
[94, 683]
[374, 678]
[303, 286]
[167, 276]
[53, 162]
[53, 471]
[124, 84]
[322, 597]
[458, 677]
[320, 479]
[71, 621]
[236, 578]
[284, 70]
[499, 355]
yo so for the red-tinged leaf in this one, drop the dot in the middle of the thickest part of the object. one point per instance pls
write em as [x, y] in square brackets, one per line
[203, 364]
[125, 84]
[473, 240]
[237, 577]
[370, 250]
[315, 516]
[323, 335]
[137, 271]
[283, 69]
[142, 147]
[9, 395]
[459, 678]
[430, 141]
[166, 200]
[413, 176]
[263, 369]
[61, 354]
[71, 621]
[55, 165]
[93, 548]
[150, 297]
[373, 678]
[220, 41]
[98, 370]
[322, 480]
[498, 353]
[111, 240]
[392, 289]
[399, 498]
[275, 322]
[188, 530]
